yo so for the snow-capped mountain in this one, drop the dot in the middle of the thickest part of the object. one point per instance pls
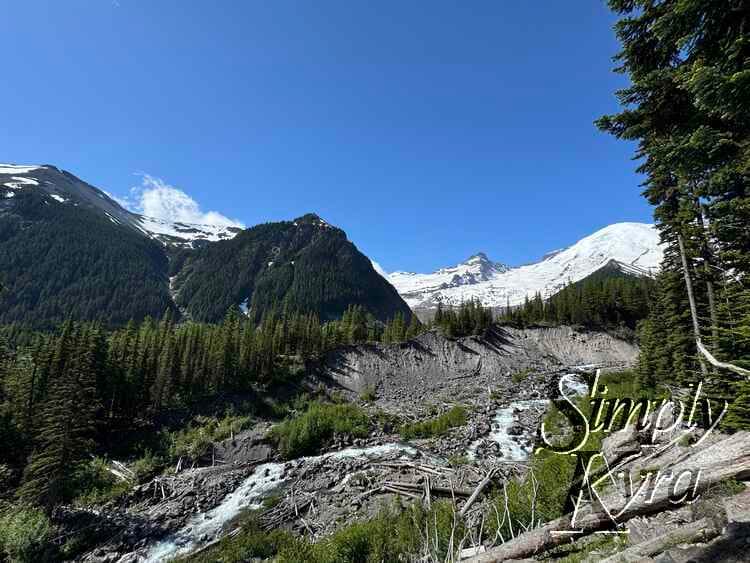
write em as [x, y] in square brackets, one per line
[63, 188]
[475, 270]
[633, 246]
[70, 250]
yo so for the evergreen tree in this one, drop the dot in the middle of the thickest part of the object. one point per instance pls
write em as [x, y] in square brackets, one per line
[688, 107]
[67, 425]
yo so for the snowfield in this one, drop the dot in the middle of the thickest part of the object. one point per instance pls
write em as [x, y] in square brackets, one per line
[634, 245]
[186, 233]
[16, 169]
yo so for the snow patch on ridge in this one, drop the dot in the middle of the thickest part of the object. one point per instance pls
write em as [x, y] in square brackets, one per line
[184, 233]
[16, 169]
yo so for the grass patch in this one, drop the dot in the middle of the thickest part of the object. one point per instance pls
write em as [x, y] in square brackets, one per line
[251, 543]
[457, 460]
[437, 426]
[580, 551]
[195, 441]
[368, 394]
[307, 433]
[521, 376]
[394, 535]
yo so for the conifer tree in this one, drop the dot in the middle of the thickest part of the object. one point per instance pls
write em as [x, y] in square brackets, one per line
[68, 419]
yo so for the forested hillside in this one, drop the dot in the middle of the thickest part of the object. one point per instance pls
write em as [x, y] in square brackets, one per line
[303, 265]
[607, 299]
[60, 261]
[83, 389]
[69, 251]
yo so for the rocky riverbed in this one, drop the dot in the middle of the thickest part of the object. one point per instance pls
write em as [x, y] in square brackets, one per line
[504, 381]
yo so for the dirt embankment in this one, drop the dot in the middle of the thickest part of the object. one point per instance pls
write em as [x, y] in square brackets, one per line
[432, 368]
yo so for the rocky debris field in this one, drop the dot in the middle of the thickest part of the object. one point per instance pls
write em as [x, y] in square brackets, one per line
[504, 381]
[431, 369]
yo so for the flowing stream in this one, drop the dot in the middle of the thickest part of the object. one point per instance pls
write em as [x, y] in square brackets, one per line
[207, 526]
[512, 447]
[517, 447]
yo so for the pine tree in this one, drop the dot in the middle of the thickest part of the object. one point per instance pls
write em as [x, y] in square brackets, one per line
[68, 419]
[688, 107]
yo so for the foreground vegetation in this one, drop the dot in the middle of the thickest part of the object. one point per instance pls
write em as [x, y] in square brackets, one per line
[397, 533]
[542, 493]
[308, 432]
[437, 426]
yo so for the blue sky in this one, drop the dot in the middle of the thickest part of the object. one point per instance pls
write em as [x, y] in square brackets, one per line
[427, 130]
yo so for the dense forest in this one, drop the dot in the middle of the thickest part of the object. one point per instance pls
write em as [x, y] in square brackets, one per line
[67, 394]
[63, 261]
[607, 299]
[304, 265]
[688, 108]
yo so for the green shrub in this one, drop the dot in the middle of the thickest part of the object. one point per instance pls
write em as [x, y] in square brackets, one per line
[95, 484]
[521, 376]
[394, 535]
[368, 394]
[24, 534]
[307, 433]
[250, 543]
[195, 441]
[148, 465]
[437, 426]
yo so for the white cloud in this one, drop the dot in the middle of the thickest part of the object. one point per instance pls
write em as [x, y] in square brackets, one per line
[156, 198]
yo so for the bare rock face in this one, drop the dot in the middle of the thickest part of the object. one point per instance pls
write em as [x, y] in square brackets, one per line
[433, 368]
[250, 446]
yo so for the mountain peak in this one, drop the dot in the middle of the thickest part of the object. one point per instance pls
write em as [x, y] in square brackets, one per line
[311, 219]
[478, 257]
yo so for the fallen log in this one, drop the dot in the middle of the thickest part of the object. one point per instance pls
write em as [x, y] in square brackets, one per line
[400, 491]
[447, 491]
[700, 531]
[722, 460]
[480, 487]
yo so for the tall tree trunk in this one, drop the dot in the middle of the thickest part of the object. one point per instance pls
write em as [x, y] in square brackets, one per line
[707, 252]
[691, 299]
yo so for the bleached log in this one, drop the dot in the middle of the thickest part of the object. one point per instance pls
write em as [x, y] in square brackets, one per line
[700, 531]
[477, 491]
[691, 300]
[722, 460]
[716, 363]
[436, 490]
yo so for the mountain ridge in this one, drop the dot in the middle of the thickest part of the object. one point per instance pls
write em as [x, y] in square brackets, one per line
[68, 249]
[635, 246]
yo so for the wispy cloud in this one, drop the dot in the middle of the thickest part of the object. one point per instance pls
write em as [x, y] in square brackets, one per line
[155, 198]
